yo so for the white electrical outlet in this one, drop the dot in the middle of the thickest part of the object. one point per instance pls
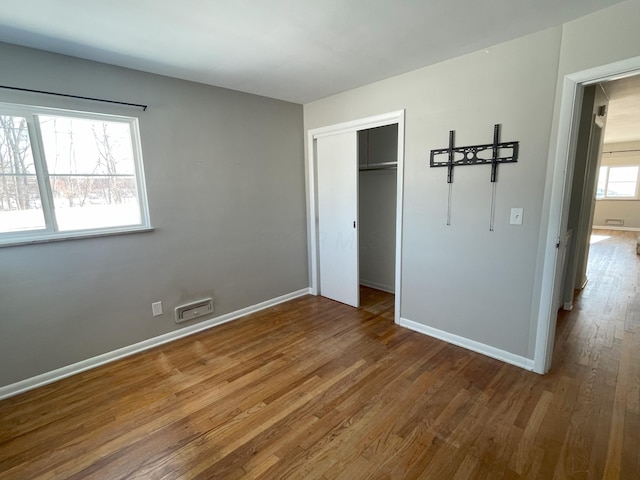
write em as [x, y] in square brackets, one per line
[516, 216]
[156, 308]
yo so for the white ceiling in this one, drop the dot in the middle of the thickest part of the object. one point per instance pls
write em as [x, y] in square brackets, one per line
[623, 118]
[295, 50]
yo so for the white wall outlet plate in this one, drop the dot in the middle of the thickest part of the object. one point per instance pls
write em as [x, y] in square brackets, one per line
[516, 216]
[156, 308]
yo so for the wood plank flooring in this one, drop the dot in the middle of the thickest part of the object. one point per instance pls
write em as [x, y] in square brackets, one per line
[313, 389]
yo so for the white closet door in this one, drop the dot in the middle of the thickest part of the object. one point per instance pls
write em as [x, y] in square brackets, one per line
[337, 164]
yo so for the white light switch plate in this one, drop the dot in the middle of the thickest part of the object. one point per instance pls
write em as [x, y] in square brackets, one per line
[516, 216]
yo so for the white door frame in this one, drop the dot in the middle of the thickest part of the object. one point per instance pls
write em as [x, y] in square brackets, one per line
[557, 193]
[312, 212]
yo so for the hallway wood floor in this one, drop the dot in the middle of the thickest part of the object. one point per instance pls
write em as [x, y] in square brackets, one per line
[313, 389]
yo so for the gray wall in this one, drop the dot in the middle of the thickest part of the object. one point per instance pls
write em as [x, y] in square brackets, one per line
[463, 279]
[225, 181]
[377, 216]
[225, 184]
[627, 210]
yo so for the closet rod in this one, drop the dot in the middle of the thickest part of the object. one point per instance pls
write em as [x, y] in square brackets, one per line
[379, 167]
[139, 105]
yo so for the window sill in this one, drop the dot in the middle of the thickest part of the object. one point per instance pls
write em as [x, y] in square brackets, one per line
[75, 235]
[617, 199]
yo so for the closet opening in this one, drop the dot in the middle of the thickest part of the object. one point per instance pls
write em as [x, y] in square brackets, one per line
[355, 209]
[377, 197]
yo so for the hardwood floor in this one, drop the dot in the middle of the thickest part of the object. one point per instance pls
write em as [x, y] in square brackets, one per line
[313, 389]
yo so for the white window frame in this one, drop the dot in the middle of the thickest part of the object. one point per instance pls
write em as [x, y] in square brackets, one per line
[604, 195]
[50, 232]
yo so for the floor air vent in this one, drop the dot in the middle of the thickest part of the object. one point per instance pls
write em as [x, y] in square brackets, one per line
[192, 310]
[614, 221]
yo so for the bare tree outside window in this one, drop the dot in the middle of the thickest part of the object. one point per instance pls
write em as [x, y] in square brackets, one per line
[85, 174]
[91, 171]
[18, 181]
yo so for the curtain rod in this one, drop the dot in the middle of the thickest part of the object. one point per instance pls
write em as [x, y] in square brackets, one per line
[143, 107]
[623, 151]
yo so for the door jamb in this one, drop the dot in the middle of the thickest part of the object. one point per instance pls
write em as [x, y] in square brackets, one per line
[559, 187]
[312, 212]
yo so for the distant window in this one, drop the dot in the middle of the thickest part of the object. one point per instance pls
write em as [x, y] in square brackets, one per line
[68, 174]
[618, 182]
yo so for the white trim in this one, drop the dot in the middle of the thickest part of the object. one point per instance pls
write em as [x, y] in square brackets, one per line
[353, 126]
[312, 214]
[359, 124]
[378, 286]
[76, 235]
[547, 311]
[399, 215]
[608, 227]
[474, 346]
[84, 365]
[555, 192]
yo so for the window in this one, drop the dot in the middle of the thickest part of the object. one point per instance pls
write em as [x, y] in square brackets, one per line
[618, 182]
[68, 174]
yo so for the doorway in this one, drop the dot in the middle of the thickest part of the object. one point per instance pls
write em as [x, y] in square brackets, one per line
[583, 191]
[604, 189]
[558, 194]
[348, 135]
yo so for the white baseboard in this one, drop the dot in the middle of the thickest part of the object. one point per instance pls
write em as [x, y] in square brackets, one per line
[472, 345]
[611, 227]
[84, 365]
[378, 286]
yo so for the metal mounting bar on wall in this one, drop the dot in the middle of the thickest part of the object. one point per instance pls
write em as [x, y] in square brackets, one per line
[470, 154]
[19, 89]
[475, 155]
[449, 175]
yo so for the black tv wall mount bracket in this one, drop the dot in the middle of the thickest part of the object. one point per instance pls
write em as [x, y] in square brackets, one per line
[476, 155]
